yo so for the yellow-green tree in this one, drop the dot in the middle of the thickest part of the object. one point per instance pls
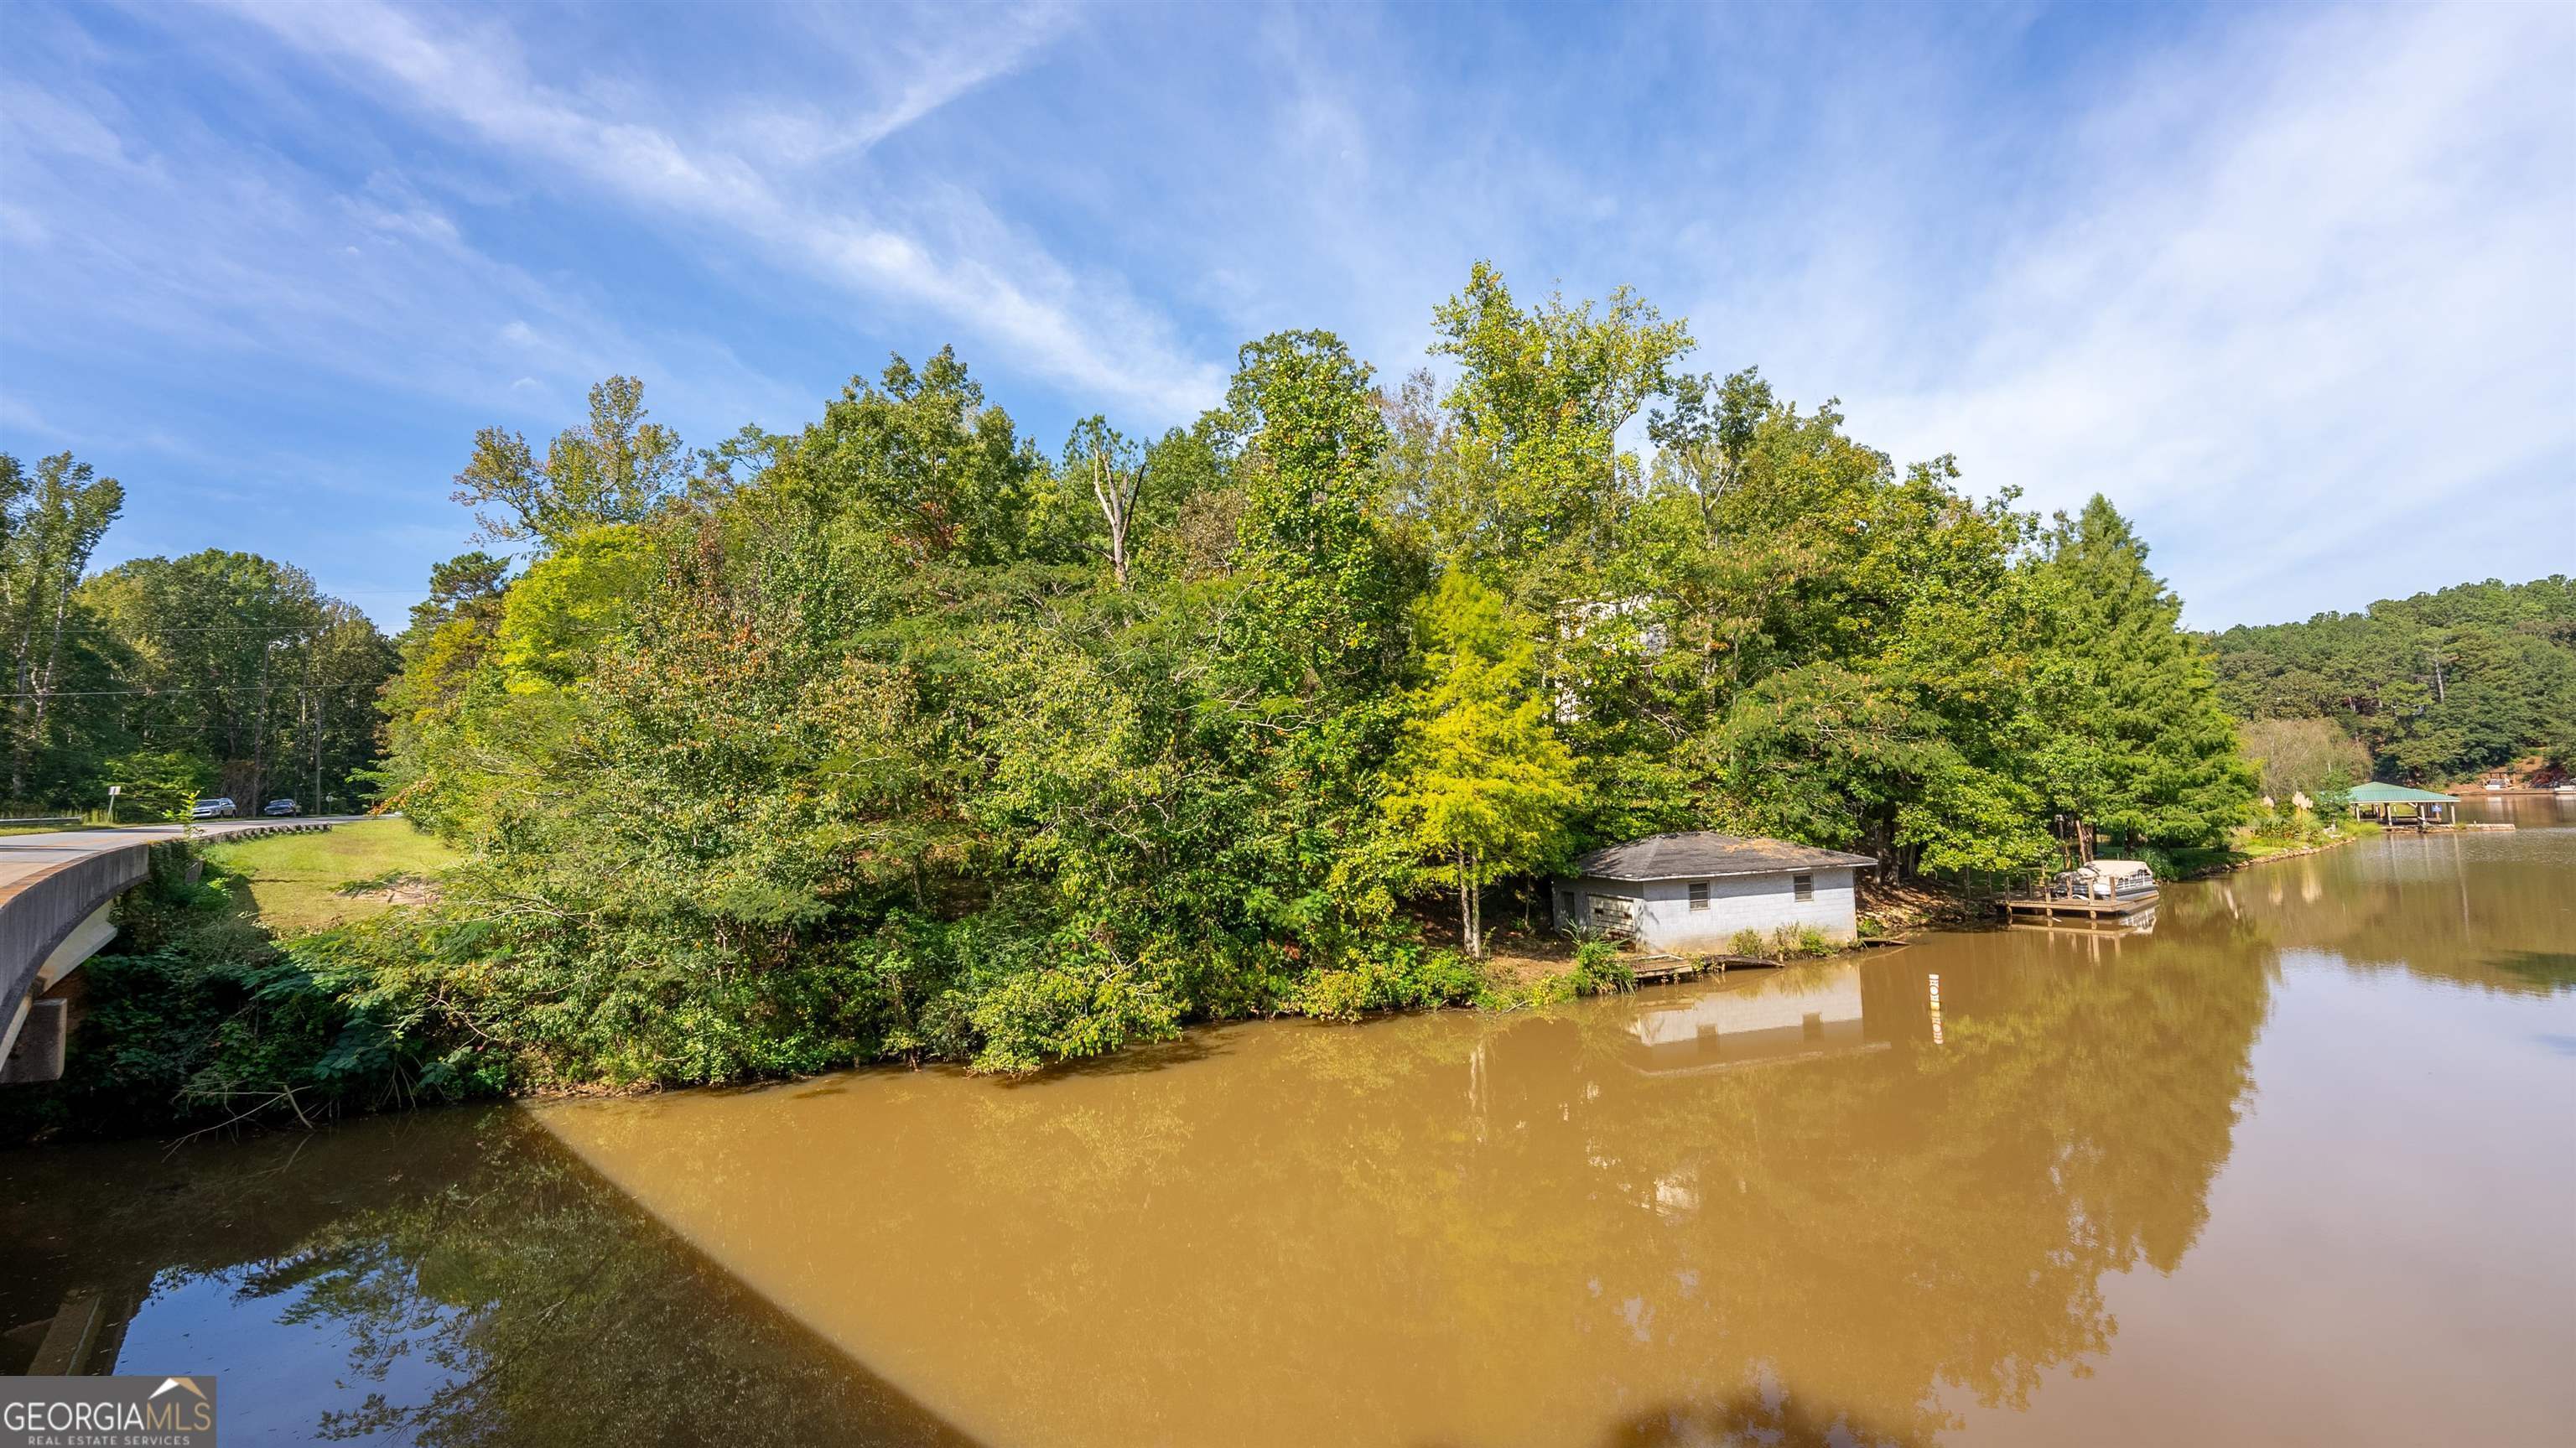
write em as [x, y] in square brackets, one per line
[1480, 782]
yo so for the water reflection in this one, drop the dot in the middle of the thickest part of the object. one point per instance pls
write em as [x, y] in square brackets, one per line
[1496, 1230]
[1898, 1199]
[453, 1278]
[2492, 910]
[1769, 1016]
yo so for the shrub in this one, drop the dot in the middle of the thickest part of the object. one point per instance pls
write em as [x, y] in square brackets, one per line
[1062, 1012]
[1599, 969]
[1549, 990]
[1388, 978]
[1334, 995]
[1749, 941]
[196, 1015]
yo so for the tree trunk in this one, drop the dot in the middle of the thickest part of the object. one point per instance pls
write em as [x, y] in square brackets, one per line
[1466, 908]
[1476, 898]
[1117, 506]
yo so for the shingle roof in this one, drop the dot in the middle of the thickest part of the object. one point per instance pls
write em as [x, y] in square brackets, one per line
[1700, 854]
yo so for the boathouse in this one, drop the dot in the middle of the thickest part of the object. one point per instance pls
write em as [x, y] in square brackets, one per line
[1690, 892]
[2395, 804]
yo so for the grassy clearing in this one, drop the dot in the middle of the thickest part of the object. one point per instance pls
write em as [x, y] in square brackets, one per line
[2249, 848]
[296, 882]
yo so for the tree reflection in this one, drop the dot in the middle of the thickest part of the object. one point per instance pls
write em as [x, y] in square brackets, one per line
[485, 1287]
[1778, 1213]
[2483, 910]
[1489, 1229]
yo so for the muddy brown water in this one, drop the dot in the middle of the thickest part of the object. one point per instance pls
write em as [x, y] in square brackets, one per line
[2298, 1166]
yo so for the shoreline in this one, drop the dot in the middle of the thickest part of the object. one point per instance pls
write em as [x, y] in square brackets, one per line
[2212, 872]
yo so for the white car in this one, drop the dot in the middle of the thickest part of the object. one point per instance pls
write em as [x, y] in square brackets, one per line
[218, 808]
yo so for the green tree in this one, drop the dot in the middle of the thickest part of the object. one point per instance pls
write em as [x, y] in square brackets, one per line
[1537, 406]
[2441, 686]
[50, 524]
[618, 468]
[2310, 756]
[1479, 780]
[241, 661]
[1323, 595]
[560, 613]
[919, 460]
[2135, 741]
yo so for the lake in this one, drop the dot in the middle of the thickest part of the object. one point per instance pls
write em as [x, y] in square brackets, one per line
[2298, 1166]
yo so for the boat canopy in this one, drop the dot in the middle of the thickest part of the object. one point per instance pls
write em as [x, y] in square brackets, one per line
[2117, 869]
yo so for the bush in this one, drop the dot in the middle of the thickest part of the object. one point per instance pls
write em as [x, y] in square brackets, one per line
[1749, 941]
[157, 784]
[1063, 1012]
[1549, 990]
[1800, 942]
[1599, 969]
[1388, 978]
[195, 1016]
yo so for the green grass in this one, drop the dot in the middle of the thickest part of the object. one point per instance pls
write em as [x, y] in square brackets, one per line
[296, 881]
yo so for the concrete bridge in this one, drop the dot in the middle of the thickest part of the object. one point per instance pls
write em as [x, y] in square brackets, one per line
[55, 892]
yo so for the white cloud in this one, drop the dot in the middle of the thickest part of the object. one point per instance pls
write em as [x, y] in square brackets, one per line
[2298, 276]
[967, 266]
[2320, 280]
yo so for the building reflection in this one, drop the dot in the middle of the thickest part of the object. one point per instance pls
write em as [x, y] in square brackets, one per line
[1824, 1203]
[1755, 1018]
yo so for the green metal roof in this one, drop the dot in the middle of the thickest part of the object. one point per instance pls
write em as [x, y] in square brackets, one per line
[2397, 794]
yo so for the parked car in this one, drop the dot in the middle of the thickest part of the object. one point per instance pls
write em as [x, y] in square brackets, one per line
[281, 807]
[218, 808]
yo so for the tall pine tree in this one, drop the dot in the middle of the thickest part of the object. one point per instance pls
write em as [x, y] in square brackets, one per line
[2136, 745]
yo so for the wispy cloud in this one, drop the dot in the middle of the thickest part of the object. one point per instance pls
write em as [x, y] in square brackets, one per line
[967, 266]
[2286, 283]
[2315, 282]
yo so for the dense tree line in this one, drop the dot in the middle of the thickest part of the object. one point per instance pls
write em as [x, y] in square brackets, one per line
[216, 673]
[896, 735]
[2436, 688]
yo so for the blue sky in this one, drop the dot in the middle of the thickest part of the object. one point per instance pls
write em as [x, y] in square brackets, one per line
[2295, 287]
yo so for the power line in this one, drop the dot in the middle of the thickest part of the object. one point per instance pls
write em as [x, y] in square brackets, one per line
[287, 689]
[297, 631]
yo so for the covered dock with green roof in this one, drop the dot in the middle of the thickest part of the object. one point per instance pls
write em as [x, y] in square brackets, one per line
[2401, 806]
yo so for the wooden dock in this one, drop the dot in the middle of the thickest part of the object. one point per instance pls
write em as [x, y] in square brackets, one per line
[1660, 969]
[2075, 909]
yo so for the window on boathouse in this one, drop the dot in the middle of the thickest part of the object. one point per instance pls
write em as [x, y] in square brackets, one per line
[1699, 895]
[1804, 886]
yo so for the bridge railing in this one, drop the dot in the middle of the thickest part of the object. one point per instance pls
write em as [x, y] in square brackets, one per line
[40, 912]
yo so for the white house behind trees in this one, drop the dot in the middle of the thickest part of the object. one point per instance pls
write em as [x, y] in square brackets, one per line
[1690, 892]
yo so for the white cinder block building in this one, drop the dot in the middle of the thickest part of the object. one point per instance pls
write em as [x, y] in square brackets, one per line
[1690, 892]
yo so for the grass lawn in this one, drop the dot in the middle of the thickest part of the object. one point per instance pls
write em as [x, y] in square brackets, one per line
[296, 880]
[2247, 849]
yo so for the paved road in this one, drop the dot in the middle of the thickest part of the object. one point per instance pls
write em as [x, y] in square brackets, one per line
[25, 855]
